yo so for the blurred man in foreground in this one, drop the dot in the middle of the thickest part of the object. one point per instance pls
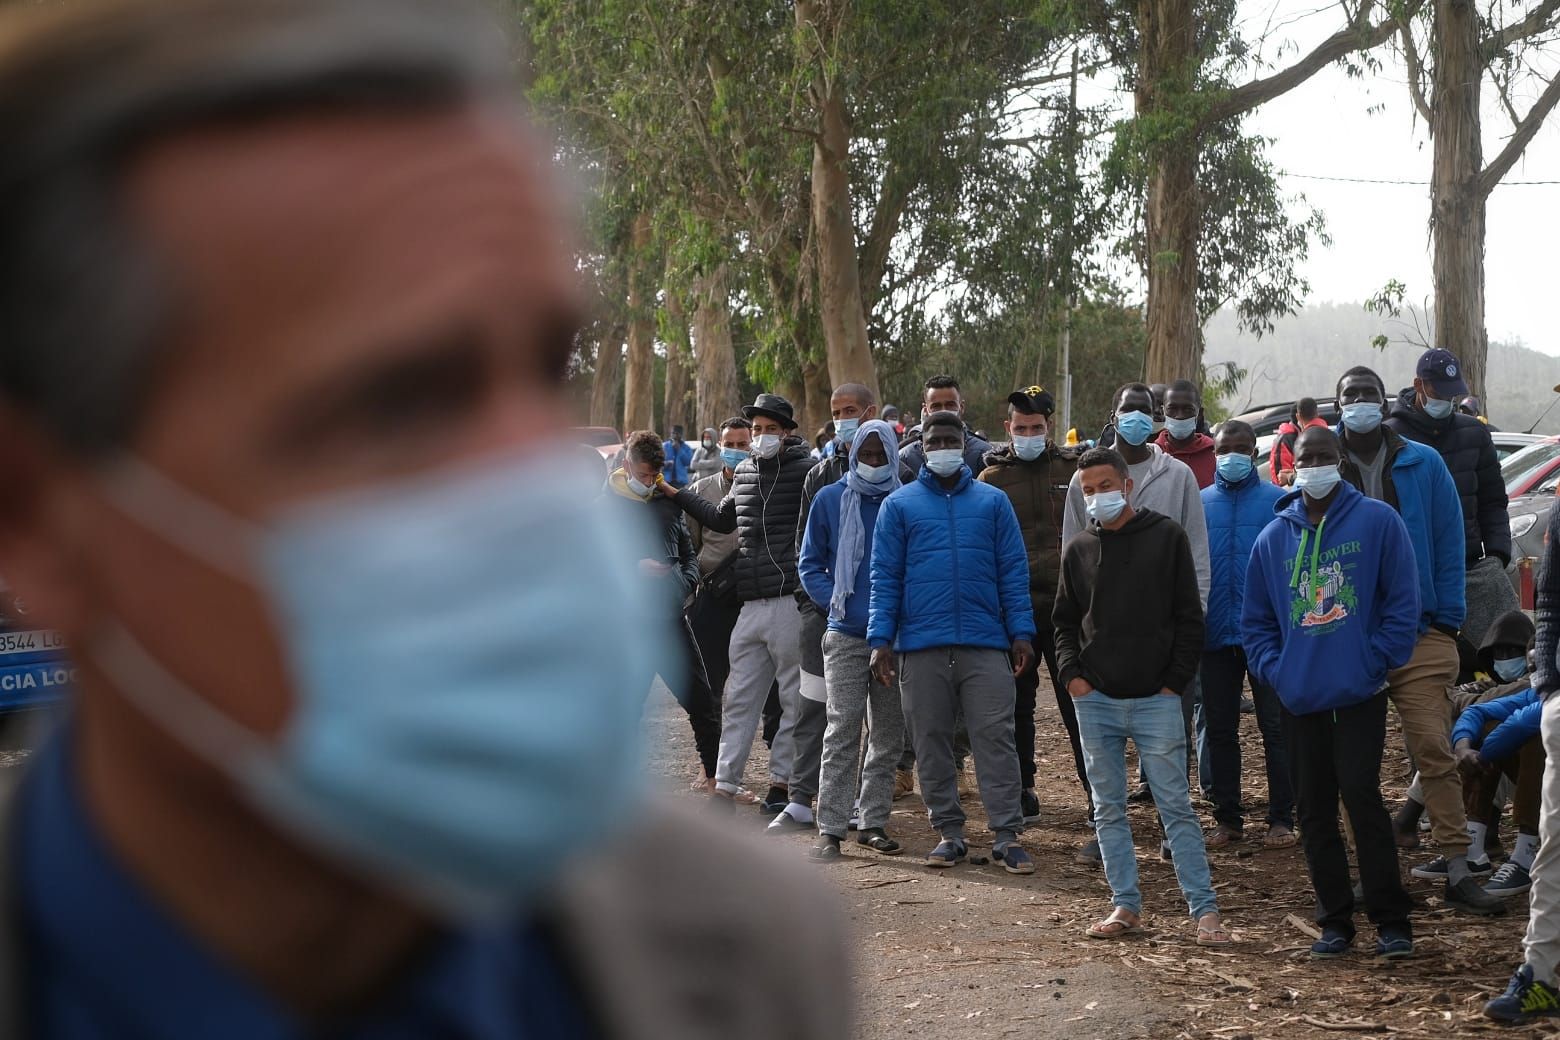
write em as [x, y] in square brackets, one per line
[287, 297]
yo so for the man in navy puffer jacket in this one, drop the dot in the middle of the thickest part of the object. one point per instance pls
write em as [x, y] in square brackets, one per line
[1238, 505]
[950, 594]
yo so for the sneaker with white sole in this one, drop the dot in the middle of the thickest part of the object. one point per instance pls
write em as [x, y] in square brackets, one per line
[1436, 869]
[791, 820]
[1510, 880]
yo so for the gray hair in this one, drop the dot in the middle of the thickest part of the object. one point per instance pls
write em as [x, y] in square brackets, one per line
[86, 86]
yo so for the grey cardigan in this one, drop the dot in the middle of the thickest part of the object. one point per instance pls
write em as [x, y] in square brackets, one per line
[678, 931]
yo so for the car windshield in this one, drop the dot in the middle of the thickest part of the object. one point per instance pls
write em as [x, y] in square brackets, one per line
[1520, 467]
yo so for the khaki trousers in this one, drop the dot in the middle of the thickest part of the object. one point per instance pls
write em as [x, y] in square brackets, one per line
[1418, 691]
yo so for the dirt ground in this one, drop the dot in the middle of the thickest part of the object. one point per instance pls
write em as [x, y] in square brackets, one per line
[976, 952]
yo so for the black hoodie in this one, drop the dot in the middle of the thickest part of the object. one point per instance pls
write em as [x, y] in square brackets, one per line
[1128, 614]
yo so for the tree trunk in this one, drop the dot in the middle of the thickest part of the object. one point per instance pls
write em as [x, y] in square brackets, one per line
[839, 276]
[608, 378]
[639, 381]
[814, 413]
[678, 355]
[715, 381]
[1457, 200]
[1173, 209]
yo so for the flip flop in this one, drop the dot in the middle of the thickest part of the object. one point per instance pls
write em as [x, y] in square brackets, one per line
[1113, 927]
[1206, 936]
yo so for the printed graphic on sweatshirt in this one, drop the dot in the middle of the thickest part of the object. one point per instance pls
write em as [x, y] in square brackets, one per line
[1325, 595]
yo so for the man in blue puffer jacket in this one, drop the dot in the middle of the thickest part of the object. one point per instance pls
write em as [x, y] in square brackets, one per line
[1238, 505]
[950, 594]
[1331, 607]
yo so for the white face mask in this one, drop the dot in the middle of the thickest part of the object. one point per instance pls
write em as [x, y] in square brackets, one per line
[634, 485]
[944, 462]
[766, 445]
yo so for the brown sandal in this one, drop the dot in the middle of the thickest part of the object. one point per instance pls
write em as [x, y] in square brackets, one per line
[1278, 837]
[1223, 835]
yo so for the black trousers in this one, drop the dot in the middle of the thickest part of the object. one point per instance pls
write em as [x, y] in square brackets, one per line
[1027, 687]
[1333, 755]
[692, 689]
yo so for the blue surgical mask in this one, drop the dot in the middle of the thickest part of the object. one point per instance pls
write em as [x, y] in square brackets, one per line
[1317, 481]
[1029, 448]
[1508, 669]
[1361, 417]
[454, 717]
[1233, 466]
[1437, 409]
[732, 457]
[1107, 505]
[873, 474]
[1180, 429]
[945, 462]
[1134, 427]
[845, 429]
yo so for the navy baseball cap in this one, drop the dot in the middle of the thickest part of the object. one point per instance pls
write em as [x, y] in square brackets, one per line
[1442, 370]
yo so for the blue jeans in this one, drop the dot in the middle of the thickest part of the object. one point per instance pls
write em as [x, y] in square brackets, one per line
[1157, 727]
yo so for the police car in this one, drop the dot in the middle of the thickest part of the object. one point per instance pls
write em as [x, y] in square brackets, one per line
[34, 668]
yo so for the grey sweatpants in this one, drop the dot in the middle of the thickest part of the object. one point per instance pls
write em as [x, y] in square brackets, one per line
[854, 697]
[764, 650]
[935, 684]
[812, 713]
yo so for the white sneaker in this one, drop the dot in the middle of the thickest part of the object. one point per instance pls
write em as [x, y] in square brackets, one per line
[792, 818]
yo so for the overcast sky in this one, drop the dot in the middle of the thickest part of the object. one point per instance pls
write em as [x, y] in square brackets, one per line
[1332, 127]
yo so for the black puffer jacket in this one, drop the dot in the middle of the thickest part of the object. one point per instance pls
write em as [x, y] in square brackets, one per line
[1465, 446]
[763, 507]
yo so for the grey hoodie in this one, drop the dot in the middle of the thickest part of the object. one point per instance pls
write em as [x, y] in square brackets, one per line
[1166, 486]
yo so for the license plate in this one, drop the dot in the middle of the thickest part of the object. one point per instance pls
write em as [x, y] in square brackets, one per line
[35, 641]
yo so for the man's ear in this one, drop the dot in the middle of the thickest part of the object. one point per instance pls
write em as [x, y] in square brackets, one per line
[1127, 487]
[37, 524]
[870, 413]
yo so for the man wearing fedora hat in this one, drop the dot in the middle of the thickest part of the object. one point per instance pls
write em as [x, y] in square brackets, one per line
[763, 507]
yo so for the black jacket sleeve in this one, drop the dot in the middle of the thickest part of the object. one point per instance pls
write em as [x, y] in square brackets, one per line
[1546, 678]
[721, 518]
[687, 559]
[1187, 645]
[1067, 620]
[1494, 521]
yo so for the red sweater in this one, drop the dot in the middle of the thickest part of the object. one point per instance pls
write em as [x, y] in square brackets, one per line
[1196, 453]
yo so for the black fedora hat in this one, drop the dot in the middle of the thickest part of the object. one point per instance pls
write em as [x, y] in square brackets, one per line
[771, 406]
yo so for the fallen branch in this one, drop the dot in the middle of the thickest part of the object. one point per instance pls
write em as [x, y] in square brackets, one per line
[1305, 926]
[1355, 1026]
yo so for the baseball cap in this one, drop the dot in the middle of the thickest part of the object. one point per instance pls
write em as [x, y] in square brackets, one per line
[1033, 400]
[1441, 369]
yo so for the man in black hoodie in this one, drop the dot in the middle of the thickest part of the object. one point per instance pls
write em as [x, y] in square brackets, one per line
[1129, 637]
[762, 507]
[1427, 412]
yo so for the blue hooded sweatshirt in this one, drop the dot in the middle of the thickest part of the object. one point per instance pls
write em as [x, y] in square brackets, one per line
[1516, 717]
[949, 568]
[1330, 608]
[1236, 514]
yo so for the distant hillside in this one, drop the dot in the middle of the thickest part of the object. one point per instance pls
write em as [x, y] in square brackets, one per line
[1305, 355]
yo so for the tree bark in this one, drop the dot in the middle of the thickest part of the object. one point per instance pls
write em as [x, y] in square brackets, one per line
[715, 380]
[1457, 201]
[639, 379]
[813, 413]
[1173, 208]
[839, 277]
[674, 411]
[608, 378]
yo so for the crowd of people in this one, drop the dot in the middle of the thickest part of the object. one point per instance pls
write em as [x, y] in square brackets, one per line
[886, 597]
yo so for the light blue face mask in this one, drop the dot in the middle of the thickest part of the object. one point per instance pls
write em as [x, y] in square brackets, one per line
[1437, 409]
[1180, 429]
[873, 474]
[1029, 448]
[732, 457]
[1508, 669]
[454, 721]
[1233, 466]
[1361, 416]
[1134, 427]
[945, 462]
[845, 429]
[1105, 506]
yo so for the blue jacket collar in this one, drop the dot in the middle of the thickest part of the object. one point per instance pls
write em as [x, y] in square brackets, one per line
[934, 482]
[1249, 480]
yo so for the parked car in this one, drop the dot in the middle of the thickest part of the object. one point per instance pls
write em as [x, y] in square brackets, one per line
[607, 441]
[1523, 471]
[35, 670]
[1508, 444]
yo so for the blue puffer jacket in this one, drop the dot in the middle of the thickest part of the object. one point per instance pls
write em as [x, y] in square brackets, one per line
[957, 556]
[1236, 514]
